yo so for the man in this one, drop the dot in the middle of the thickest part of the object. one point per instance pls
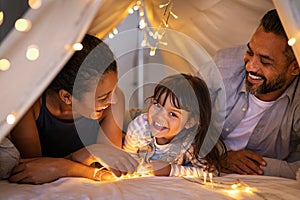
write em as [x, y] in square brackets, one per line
[262, 124]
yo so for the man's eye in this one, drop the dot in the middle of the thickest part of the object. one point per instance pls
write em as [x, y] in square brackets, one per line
[266, 63]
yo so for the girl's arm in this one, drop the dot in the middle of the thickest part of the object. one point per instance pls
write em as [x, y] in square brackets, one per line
[179, 170]
[191, 167]
[161, 168]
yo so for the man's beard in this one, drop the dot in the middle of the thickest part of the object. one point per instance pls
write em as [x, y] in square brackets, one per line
[265, 87]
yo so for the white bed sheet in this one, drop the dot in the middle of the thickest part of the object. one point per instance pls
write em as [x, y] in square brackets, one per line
[263, 187]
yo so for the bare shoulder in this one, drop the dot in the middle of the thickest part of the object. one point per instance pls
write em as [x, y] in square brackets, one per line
[36, 107]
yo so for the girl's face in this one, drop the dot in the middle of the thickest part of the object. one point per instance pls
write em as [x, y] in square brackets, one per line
[166, 121]
[99, 99]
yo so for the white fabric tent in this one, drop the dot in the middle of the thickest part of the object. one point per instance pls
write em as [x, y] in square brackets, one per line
[56, 25]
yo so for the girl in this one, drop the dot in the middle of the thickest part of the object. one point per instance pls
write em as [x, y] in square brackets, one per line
[60, 130]
[174, 128]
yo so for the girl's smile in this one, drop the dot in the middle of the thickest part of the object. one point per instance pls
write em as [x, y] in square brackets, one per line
[166, 121]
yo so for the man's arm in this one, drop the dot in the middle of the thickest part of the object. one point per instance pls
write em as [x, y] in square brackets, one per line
[280, 168]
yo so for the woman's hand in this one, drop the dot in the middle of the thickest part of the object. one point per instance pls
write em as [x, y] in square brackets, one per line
[110, 157]
[38, 170]
[44, 170]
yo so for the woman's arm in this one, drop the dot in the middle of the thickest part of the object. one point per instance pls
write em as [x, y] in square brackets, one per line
[25, 134]
[112, 122]
[44, 170]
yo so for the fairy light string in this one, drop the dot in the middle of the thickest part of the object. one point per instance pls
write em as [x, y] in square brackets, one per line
[32, 52]
[152, 36]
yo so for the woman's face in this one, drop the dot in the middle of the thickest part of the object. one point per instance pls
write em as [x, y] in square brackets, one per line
[99, 98]
[166, 121]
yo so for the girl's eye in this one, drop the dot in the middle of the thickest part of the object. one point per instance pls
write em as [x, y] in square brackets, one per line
[173, 114]
[157, 105]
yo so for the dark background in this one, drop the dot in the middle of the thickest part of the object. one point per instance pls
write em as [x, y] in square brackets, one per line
[12, 9]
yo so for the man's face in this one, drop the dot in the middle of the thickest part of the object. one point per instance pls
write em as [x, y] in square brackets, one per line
[267, 70]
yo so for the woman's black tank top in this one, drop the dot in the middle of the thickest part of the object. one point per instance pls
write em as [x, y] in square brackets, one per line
[59, 138]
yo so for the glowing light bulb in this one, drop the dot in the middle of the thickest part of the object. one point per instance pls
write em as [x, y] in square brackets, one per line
[248, 190]
[142, 13]
[142, 24]
[204, 177]
[1, 17]
[77, 46]
[115, 31]
[292, 41]
[32, 52]
[4, 64]
[111, 36]
[130, 11]
[144, 42]
[152, 51]
[11, 118]
[163, 5]
[136, 7]
[173, 14]
[34, 4]
[22, 25]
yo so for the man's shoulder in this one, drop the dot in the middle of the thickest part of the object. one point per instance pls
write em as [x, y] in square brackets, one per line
[230, 56]
[233, 49]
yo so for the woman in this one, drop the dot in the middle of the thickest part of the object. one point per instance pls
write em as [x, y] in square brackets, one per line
[63, 126]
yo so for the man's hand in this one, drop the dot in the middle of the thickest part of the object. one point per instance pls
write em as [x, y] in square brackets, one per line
[242, 162]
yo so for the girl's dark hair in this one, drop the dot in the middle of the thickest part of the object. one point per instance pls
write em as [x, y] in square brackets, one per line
[90, 63]
[190, 93]
[271, 23]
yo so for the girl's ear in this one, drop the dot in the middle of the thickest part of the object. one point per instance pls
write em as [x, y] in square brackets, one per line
[190, 123]
[65, 96]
